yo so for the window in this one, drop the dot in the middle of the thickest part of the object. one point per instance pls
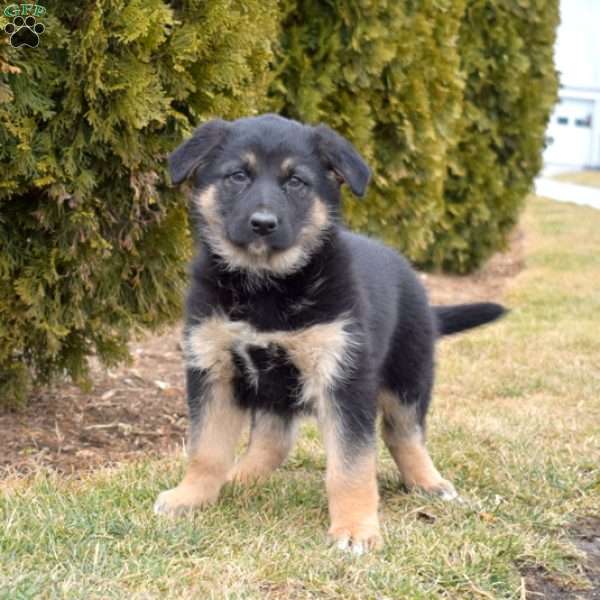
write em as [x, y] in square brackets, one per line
[586, 122]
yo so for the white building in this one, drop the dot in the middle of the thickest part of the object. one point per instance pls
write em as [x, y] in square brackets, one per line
[574, 129]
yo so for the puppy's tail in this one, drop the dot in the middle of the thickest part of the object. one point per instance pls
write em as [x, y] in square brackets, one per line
[458, 317]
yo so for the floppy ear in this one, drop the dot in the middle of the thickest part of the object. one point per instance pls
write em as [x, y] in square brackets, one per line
[195, 153]
[343, 159]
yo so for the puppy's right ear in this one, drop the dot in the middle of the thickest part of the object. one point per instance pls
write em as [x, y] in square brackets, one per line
[196, 152]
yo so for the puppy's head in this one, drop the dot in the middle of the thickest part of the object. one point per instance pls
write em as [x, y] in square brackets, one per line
[266, 188]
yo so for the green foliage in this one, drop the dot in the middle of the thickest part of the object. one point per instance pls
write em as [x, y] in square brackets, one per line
[507, 56]
[92, 241]
[447, 100]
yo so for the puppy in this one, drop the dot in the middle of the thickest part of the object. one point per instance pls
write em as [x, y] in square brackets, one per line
[289, 314]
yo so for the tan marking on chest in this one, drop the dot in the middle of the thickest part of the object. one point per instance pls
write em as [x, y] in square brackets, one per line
[319, 352]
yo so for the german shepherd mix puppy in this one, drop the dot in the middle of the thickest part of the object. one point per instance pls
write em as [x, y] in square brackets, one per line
[290, 314]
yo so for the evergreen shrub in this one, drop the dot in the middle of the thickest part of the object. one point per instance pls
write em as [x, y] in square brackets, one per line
[93, 243]
[511, 86]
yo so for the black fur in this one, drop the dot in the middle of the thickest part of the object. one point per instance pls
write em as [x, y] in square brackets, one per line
[197, 151]
[452, 319]
[277, 388]
[393, 325]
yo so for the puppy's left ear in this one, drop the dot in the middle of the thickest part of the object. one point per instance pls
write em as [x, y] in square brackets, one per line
[343, 159]
[195, 153]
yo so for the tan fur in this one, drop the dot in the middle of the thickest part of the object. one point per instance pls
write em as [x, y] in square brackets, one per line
[401, 417]
[206, 203]
[317, 351]
[352, 494]
[286, 165]
[250, 159]
[257, 261]
[351, 482]
[270, 443]
[211, 450]
[406, 443]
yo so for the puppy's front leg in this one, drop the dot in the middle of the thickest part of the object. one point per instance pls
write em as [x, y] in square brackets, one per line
[271, 439]
[349, 435]
[215, 426]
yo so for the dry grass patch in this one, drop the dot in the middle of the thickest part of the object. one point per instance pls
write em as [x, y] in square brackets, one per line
[590, 177]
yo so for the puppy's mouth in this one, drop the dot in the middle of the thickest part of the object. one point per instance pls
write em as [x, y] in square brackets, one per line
[261, 246]
[258, 248]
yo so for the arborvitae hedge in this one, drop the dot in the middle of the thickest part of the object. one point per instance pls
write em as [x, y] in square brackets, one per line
[507, 56]
[92, 241]
[447, 99]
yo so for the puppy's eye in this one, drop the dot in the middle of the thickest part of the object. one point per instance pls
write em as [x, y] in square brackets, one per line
[238, 177]
[294, 183]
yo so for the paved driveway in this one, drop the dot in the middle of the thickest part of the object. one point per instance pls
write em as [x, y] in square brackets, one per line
[567, 192]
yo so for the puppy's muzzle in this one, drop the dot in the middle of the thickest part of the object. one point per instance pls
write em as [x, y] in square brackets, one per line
[263, 222]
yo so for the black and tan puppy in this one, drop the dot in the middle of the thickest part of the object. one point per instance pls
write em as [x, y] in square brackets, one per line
[290, 314]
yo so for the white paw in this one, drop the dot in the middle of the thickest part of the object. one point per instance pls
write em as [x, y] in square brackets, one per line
[179, 500]
[356, 540]
[445, 490]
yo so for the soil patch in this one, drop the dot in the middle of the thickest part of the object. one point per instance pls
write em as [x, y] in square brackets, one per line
[486, 284]
[539, 583]
[139, 409]
[131, 411]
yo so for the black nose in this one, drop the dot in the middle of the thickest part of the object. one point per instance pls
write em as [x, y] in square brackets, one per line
[263, 223]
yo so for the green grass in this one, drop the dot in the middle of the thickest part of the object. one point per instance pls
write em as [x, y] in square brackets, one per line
[515, 425]
[589, 177]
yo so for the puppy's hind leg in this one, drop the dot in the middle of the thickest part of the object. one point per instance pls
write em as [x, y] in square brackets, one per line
[271, 439]
[403, 433]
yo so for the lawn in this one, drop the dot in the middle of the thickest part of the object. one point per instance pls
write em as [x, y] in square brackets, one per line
[515, 425]
[589, 177]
